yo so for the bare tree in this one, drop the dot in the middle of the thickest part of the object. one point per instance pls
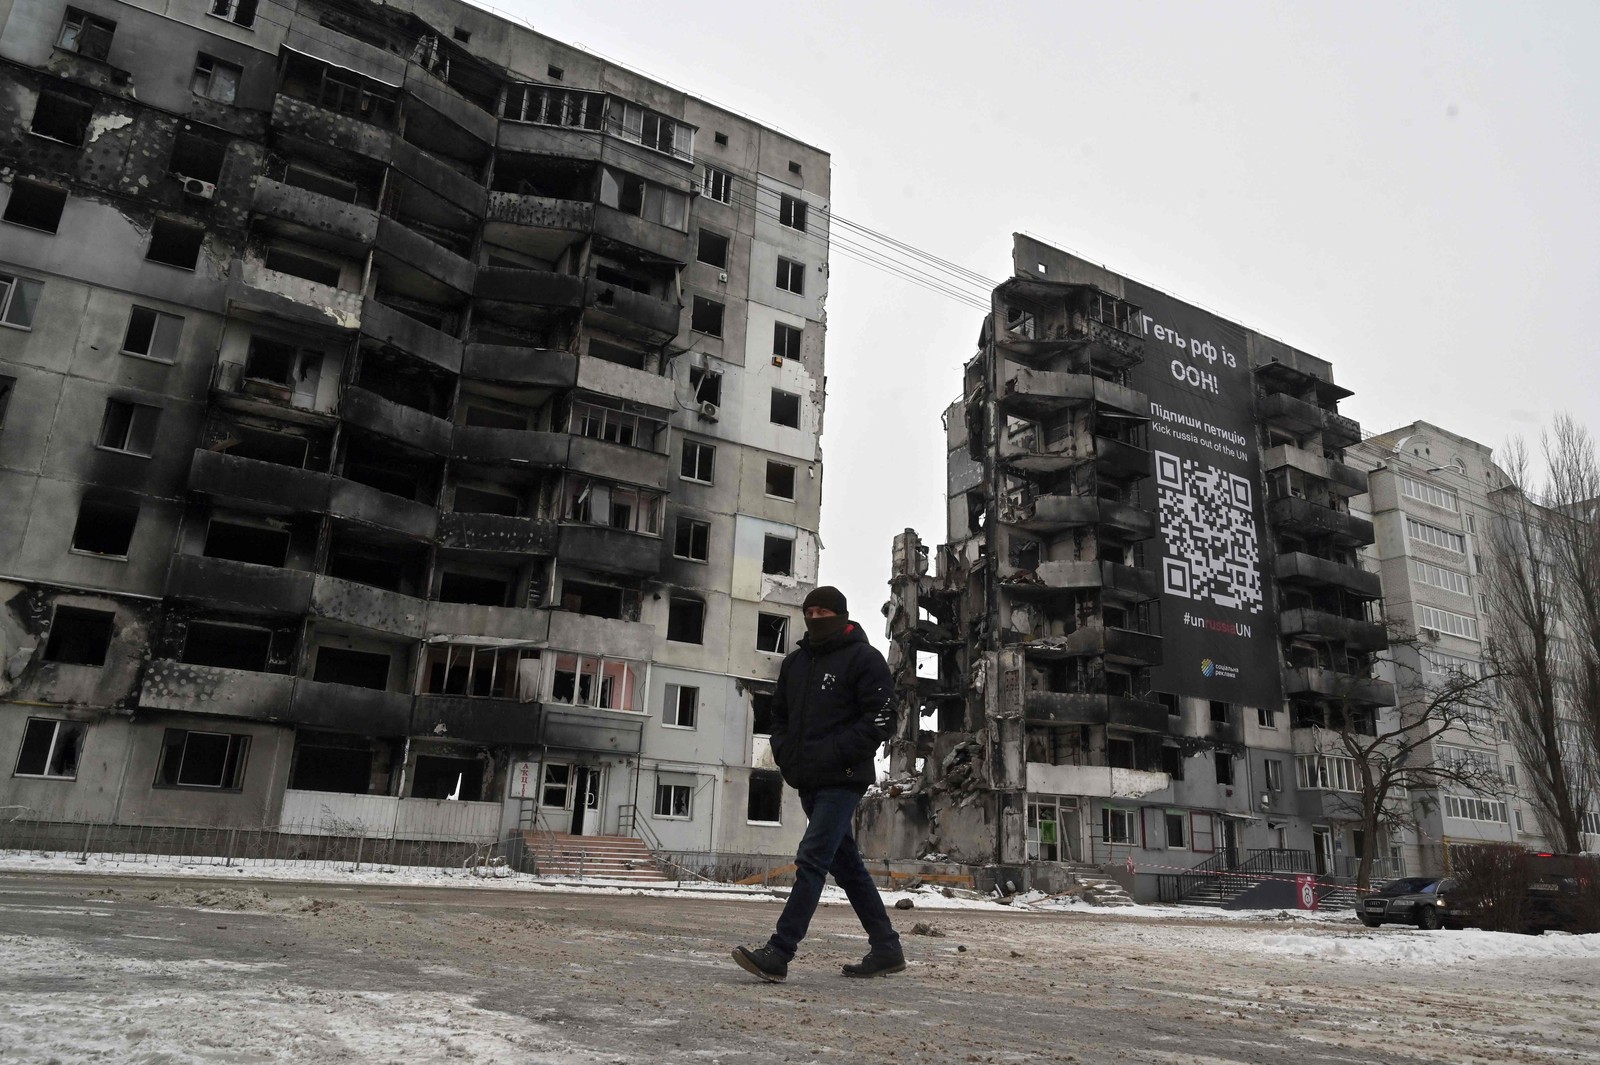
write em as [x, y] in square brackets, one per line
[1573, 516]
[1526, 650]
[1397, 757]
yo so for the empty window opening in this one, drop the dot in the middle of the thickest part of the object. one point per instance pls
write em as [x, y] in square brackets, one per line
[104, 527]
[765, 805]
[786, 341]
[721, 139]
[214, 79]
[707, 317]
[673, 800]
[152, 334]
[239, 12]
[295, 369]
[1224, 767]
[718, 184]
[599, 600]
[61, 118]
[86, 34]
[785, 408]
[7, 386]
[1219, 712]
[80, 637]
[129, 427]
[359, 669]
[35, 206]
[1119, 753]
[331, 763]
[692, 540]
[1177, 830]
[308, 267]
[780, 480]
[369, 564]
[794, 167]
[699, 462]
[772, 633]
[469, 500]
[1172, 761]
[175, 244]
[19, 299]
[474, 589]
[459, 34]
[686, 621]
[792, 212]
[282, 449]
[256, 544]
[387, 470]
[713, 249]
[227, 646]
[632, 358]
[50, 749]
[614, 426]
[791, 276]
[644, 199]
[478, 414]
[546, 105]
[761, 713]
[681, 706]
[707, 385]
[202, 760]
[777, 556]
[481, 672]
[554, 73]
[196, 156]
[447, 778]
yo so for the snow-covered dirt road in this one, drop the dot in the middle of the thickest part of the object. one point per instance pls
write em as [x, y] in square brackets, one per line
[164, 972]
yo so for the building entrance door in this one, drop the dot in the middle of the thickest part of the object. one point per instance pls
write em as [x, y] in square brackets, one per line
[1321, 850]
[1230, 842]
[586, 801]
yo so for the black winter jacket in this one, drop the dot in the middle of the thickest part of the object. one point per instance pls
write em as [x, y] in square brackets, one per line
[833, 707]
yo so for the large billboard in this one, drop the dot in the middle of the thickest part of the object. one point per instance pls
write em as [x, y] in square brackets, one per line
[1218, 615]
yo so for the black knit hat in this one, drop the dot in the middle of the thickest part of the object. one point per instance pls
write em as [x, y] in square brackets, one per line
[828, 598]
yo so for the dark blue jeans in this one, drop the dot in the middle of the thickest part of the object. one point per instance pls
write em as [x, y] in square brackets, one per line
[829, 846]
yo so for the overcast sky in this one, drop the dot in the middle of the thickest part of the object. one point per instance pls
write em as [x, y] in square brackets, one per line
[1411, 191]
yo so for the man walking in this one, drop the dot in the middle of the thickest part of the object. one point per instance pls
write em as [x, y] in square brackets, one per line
[833, 707]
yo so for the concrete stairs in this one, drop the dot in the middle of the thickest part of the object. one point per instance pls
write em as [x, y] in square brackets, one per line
[1098, 889]
[599, 857]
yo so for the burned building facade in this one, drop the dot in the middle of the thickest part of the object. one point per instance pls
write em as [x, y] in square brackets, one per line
[406, 421]
[1149, 606]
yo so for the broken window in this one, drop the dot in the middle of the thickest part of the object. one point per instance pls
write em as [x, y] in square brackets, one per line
[50, 749]
[175, 244]
[1219, 712]
[650, 129]
[202, 760]
[603, 423]
[290, 367]
[718, 184]
[772, 633]
[765, 804]
[214, 79]
[80, 637]
[780, 480]
[706, 317]
[681, 706]
[686, 621]
[86, 34]
[791, 276]
[1177, 830]
[692, 540]
[152, 334]
[713, 249]
[1224, 767]
[351, 94]
[239, 12]
[470, 500]
[227, 646]
[471, 588]
[196, 156]
[785, 408]
[792, 212]
[699, 462]
[61, 118]
[447, 778]
[1266, 717]
[1172, 760]
[19, 299]
[1168, 700]
[1119, 753]
[255, 544]
[359, 669]
[786, 341]
[1116, 826]
[308, 267]
[588, 680]
[35, 206]
[1272, 773]
[547, 106]
[592, 502]
[707, 385]
[282, 449]
[129, 427]
[761, 710]
[328, 762]
[313, 178]
[672, 800]
[104, 527]
[777, 556]
[599, 600]
[481, 672]
[556, 787]
[635, 196]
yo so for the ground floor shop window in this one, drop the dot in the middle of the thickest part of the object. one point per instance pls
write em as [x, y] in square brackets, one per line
[447, 778]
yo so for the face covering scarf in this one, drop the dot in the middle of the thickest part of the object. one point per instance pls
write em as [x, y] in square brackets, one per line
[820, 629]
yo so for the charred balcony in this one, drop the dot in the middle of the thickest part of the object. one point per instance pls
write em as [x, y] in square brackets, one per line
[517, 365]
[411, 335]
[1283, 411]
[381, 508]
[385, 417]
[348, 708]
[170, 684]
[1090, 708]
[1320, 683]
[628, 229]
[537, 224]
[1314, 521]
[1355, 633]
[530, 286]
[1116, 644]
[1049, 513]
[1037, 393]
[443, 180]
[1281, 378]
[619, 462]
[616, 307]
[255, 288]
[509, 447]
[313, 217]
[1116, 458]
[229, 585]
[420, 252]
[356, 604]
[505, 533]
[1302, 568]
[1341, 479]
[1111, 578]
[310, 123]
[608, 550]
[474, 719]
[257, 483]
[1037, 320]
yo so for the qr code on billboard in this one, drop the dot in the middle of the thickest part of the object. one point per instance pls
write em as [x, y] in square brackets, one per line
[1210, 532]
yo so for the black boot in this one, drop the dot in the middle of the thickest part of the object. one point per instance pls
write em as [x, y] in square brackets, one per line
[763, 962]
[878, 963]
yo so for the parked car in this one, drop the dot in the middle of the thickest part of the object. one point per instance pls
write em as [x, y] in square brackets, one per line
[1424, 901]
[1562, 893]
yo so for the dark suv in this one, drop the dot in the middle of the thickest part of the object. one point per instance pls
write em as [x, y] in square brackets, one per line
[1424, 901]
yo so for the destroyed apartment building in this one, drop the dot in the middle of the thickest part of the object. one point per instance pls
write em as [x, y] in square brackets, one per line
[407, 422]
[1149, 603]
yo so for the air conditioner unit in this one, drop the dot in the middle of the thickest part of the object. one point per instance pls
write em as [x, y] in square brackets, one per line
[1430, 634]
[709, 411]
[200, 190]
